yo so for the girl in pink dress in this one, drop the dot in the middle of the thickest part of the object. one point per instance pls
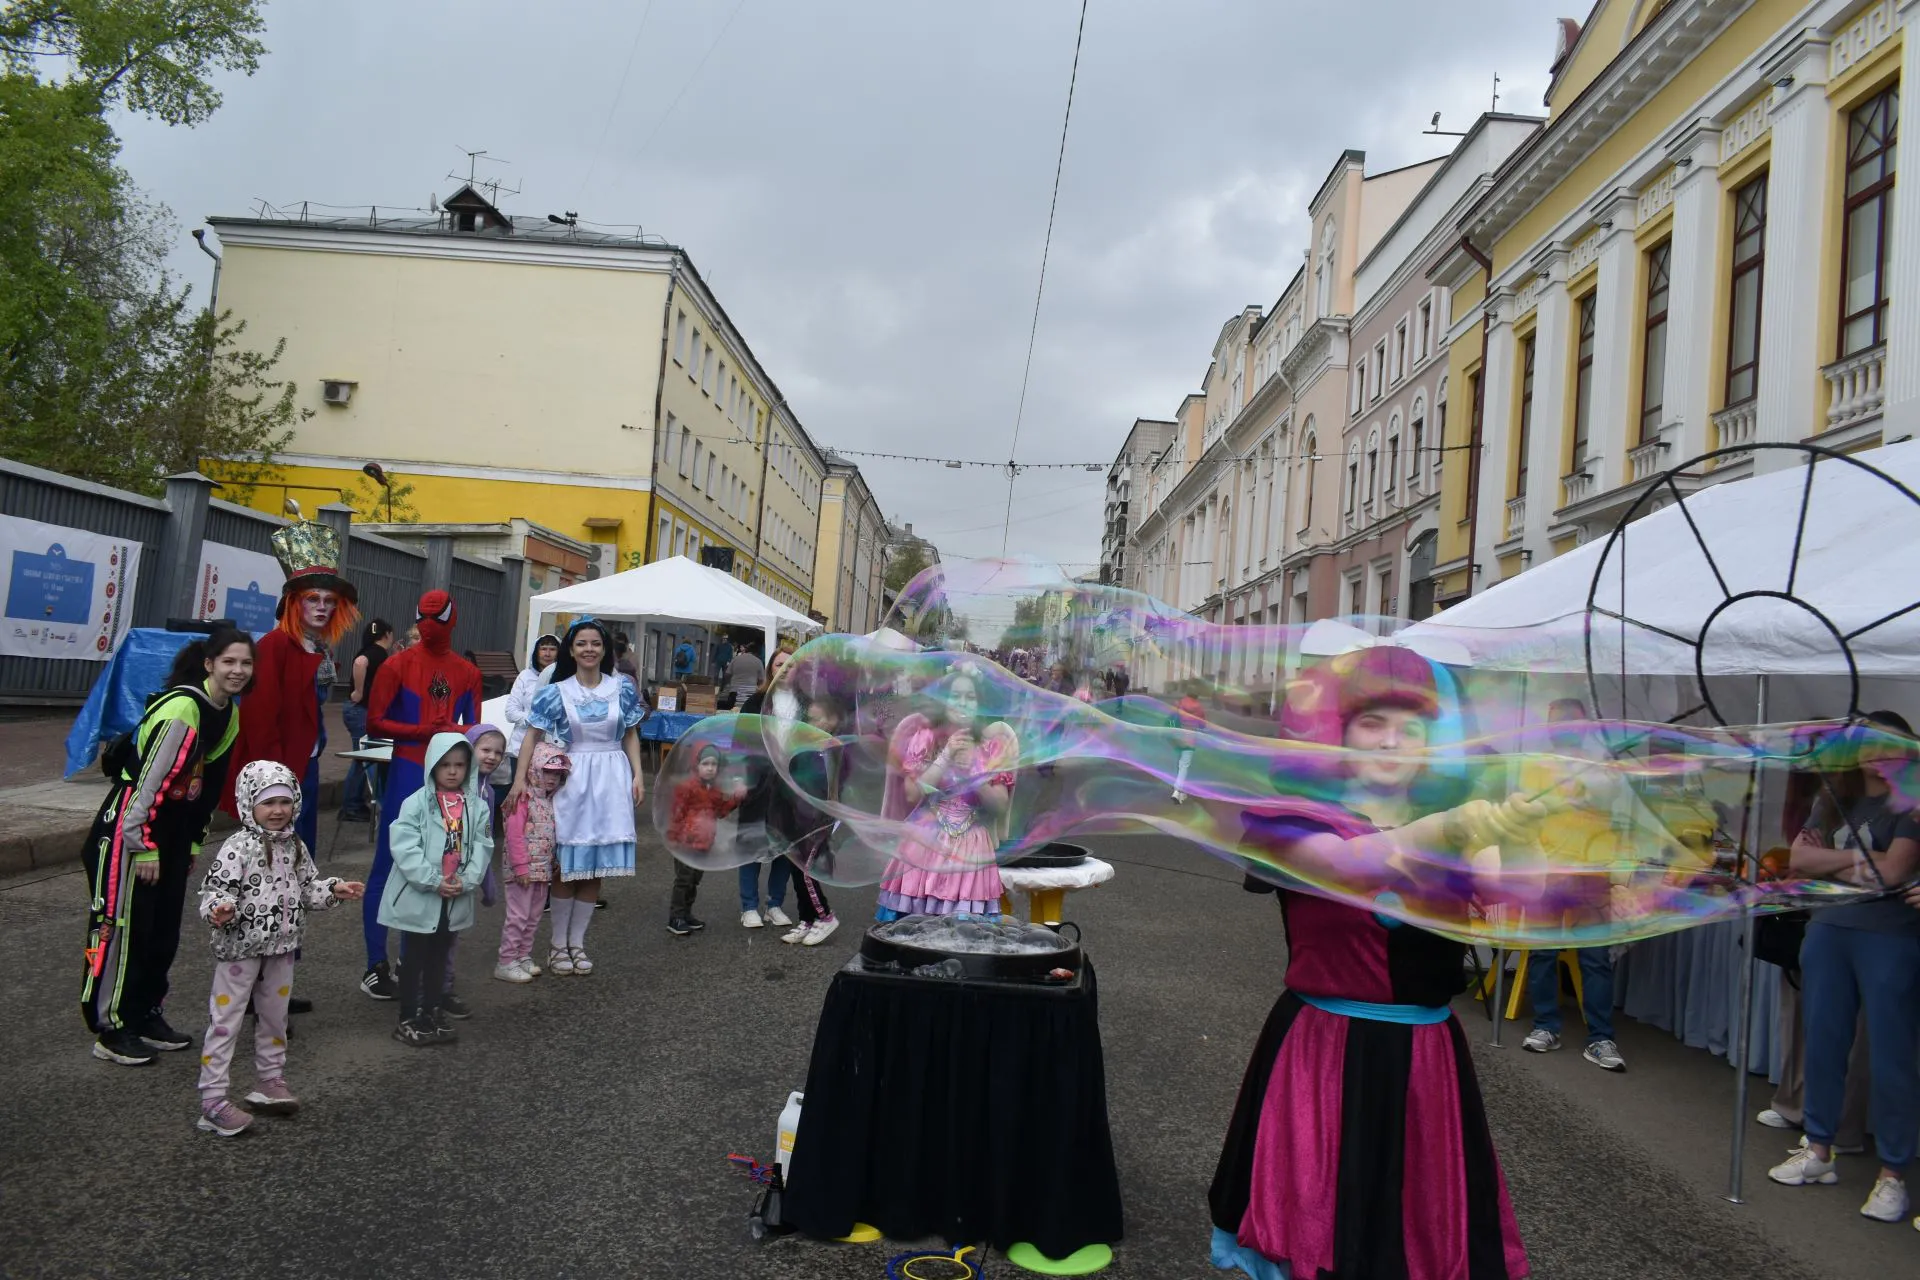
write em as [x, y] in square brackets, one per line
[951, 779]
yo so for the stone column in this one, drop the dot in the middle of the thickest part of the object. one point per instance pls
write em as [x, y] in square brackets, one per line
[1903, 273]
[1552, 363]
[1617, 314]
[1696, 292]
[439, 571]
[1796, 325]
[179, 561]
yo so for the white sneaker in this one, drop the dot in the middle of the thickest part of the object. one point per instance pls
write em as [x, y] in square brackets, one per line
[796, 934]
[1605, 1055]
[1803, 1168]
[1540, 1040]
[821, 931]
[751, 920]
[1888, 1203]
[533, 970]
[1774, 1120]
[1838, 1148]
[511, 973]
[779, 918]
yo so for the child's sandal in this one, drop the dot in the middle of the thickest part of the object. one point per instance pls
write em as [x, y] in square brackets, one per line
[560, 961]
[580, 962]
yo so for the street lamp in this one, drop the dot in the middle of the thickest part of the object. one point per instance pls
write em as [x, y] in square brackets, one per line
[378, 475]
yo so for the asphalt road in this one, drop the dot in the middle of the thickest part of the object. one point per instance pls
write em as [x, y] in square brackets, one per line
[580, 1128]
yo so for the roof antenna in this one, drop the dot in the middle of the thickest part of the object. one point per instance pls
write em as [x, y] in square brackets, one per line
[1496, 92]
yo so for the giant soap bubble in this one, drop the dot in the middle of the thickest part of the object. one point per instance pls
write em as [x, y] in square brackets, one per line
[987, 720]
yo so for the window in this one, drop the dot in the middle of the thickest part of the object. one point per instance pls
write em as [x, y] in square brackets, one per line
[1524, 438]
[661, 541]
[1393, 463]
[1872, 138]
[679, 540]
[699, 452]
[1312, 459]
[1478, 401]
[1426, 325]
[720, 382]
[1743, 305]
[686, 440]
[1418, 441]
[680, 338]
[1583, 384]
[1359, 385]
[726, 486]
[1379, 369]
[1653, 356]
[693, 357]
[1387, 603]
[1440, 422]
[1400, 352]
[711, 460]
[1373, 469]
[706, 371]
[1353, 485]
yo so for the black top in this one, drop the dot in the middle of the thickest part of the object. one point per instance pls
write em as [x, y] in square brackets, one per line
[375, 655]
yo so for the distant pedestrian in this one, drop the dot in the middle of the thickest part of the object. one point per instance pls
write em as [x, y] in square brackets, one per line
[375, 643]
[699, 802]
[745, 674]
[165, 785]
[520, 698]
[256, 895]
[683, 659]
[762, 785]
[722, 655]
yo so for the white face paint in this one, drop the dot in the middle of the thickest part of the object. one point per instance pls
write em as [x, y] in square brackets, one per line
[317, 608]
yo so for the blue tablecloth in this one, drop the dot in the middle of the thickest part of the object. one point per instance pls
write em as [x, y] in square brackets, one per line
[1688, 982]
[135, 672]
[668, 726]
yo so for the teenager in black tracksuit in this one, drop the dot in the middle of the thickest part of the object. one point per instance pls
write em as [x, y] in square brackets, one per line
[139, 853]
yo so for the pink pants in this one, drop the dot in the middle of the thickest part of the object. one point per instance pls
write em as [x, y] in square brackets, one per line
[524, 902]
[266, 981]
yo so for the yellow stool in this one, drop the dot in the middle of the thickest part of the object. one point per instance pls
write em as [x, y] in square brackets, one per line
[1044, 906]
[1569, 957]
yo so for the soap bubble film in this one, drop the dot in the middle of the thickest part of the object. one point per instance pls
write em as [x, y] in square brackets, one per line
[1005, 707]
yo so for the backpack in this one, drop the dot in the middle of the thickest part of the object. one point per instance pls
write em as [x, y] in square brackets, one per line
[122, 751]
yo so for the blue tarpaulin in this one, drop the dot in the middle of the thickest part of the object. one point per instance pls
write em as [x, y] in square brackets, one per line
[135, 673]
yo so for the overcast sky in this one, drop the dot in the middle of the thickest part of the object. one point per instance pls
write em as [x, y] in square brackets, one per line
[865, 184]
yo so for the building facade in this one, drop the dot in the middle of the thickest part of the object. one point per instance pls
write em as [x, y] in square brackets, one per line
[511, 369]
[850, 563]
[1131, 467]
[1696, 253]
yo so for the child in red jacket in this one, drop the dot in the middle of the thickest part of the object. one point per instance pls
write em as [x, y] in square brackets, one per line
[698, 806]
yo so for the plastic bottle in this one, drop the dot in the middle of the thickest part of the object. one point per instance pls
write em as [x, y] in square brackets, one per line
[789, 1129]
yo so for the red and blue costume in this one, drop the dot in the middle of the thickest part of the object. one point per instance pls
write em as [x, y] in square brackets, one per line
[418, 692]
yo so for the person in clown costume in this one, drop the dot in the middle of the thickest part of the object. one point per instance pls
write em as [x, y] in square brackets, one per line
[281, 717]
[420, 691]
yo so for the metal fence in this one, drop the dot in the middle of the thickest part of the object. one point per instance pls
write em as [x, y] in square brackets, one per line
[389, 577]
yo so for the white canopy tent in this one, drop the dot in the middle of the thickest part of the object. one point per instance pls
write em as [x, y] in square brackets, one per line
[1676, 581]
[672, 590]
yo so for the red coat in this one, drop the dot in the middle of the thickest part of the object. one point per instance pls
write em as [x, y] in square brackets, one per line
[697, 810]
[280, 715]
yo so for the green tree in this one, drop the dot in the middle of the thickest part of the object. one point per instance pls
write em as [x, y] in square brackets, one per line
[904, 564]
[374, 504]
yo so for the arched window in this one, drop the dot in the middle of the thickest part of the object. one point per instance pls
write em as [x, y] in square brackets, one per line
[1323, 271]
[1309, 473]
[1436, 454]
[1372, 489]
[1390, 475]
[1350, 504]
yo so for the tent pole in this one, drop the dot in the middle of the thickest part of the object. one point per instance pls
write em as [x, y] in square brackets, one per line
[1499, 993]
[1742, 1047]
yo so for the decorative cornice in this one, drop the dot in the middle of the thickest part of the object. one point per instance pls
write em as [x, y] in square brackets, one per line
[1747, 128]
[1873, 27]
[1314, 351]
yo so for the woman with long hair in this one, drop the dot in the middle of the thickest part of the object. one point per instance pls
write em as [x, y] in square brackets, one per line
[950, 778]
[594, 713]
[376, 641]
[140, 850]
[1359, 1146]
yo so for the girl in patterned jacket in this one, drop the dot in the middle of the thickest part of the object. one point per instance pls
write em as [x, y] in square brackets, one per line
[256, 896]
[530, 838]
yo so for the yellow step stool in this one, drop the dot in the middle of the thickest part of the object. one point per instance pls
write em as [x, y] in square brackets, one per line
[1569, 957]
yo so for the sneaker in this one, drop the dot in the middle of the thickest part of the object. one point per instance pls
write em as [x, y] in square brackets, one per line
[599, 904]
[778, 918]
[560, 960]
[1888, 1203]
[581, 964]
[511, 973]
[454, 1007]
[274, 1098]
[123, 1047]
[379, 984]
[821, 931]
[299, 1004]
[1838, 1148]
[1540, 1040]
[1774, 1120]
[415, 1033]
[439, 1026]
[751, 920]
[222, 1116]
[533, 970]
[159, 1035]
[796, 934]
[1804, 1167]
[1605, 1054]
[677, 926]
[693, 922]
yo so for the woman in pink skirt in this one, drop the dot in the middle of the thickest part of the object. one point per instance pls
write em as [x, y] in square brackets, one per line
[1359, 1147]
[951, 779]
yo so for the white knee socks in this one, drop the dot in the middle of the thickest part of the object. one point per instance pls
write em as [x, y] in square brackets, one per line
[577, 929]
[562, 913]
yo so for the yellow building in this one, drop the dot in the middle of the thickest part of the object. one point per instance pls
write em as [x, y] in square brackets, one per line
[506, 368]
[850, 565]
[1695, 254]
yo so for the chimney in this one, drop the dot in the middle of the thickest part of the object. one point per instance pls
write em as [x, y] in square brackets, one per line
[909, 529]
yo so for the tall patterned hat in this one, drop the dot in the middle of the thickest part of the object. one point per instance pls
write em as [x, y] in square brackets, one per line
[309, 554]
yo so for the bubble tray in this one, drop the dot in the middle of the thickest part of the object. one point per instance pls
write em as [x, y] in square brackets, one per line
[1056, 854]
[969, 947]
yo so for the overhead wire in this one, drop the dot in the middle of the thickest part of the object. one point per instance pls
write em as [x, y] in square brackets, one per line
[613, 107]
[1046, 249]
[666, 115]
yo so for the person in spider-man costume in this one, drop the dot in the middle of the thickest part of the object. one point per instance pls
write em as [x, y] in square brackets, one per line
[418, 692]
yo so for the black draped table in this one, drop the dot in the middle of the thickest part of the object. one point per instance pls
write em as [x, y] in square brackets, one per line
[968, 1110]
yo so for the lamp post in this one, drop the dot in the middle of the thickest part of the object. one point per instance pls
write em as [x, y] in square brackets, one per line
[213, 294]
[378, 475]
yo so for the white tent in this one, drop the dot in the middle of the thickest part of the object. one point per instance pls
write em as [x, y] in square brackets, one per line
[1681, 570]
[673, 590]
